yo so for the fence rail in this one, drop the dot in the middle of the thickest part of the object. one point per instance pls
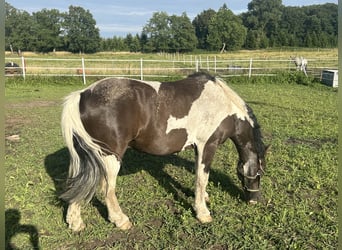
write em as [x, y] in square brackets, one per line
[147, 68]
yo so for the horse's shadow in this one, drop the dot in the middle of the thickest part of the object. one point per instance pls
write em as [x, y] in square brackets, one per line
[57, 164]
[13, 227]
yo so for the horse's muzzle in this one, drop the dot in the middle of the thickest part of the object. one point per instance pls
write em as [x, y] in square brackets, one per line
[252, 197]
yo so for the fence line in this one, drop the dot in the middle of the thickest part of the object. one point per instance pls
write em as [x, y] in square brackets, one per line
[141, 68]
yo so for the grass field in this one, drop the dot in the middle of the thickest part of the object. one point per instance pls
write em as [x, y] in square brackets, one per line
[299, 205]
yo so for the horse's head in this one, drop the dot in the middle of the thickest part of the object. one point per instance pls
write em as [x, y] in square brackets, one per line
[252, 163]
[296, 60]
[250, 174]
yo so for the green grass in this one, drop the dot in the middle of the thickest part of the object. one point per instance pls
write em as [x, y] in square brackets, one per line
[299, 205]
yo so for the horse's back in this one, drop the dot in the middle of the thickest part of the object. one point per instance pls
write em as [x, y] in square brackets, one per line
[122, 112]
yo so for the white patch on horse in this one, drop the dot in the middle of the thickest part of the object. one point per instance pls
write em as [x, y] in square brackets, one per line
[175, 123]
[237, 106]
[216, 102]
[153, 84]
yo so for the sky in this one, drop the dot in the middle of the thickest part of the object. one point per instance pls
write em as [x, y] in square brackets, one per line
[118, 18]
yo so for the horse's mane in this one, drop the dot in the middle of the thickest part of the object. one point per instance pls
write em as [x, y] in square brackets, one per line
[202, 76]
[260, 147]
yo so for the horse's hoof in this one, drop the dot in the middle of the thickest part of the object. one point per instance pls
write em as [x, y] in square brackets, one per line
[205, 219]
[253, 202]
[125, 226]
[77, 228]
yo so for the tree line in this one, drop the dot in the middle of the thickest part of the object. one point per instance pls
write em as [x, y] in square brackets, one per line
[267, 23]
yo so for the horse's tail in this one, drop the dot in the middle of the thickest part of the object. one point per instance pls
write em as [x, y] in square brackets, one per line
[86, 163]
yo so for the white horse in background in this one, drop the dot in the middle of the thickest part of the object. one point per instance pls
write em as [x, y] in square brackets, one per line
[301, 63]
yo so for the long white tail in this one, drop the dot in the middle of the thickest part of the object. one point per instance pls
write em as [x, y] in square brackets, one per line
[86, 161]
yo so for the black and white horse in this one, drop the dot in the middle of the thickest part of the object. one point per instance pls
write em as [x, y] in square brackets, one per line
[201, 112]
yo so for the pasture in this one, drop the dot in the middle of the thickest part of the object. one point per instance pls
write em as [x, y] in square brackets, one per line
[298, 209]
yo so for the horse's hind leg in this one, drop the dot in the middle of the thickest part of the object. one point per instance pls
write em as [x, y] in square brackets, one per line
[115, 213]
[74, 218]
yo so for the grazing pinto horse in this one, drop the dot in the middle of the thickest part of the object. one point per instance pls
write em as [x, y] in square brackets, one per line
[100, 122]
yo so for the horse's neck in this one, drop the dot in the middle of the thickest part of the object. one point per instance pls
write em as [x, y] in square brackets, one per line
[297, 61]
[243, 140]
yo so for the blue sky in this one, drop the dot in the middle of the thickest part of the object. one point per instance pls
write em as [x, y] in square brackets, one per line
[129, 16]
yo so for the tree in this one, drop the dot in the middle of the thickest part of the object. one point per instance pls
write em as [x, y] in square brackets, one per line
[145, 45]
[114, 44]
[133, 43]
[47, 29]
[226, 28]
[268, 24]
[201, 24]
[291, 25]
[262, 19]
[157, 31]
[19, 27]
[81, 33]
[182, 34]
[309, 26]
[321, 24]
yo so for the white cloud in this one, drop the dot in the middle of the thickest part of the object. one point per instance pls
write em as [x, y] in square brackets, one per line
[119, 28]
[115, 10]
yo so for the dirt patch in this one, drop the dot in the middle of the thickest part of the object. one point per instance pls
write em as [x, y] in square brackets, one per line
[114, 239]
[14, 123]
[32, 104]
[315, 143]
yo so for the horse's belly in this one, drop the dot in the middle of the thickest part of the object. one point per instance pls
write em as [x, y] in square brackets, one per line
[164, 144]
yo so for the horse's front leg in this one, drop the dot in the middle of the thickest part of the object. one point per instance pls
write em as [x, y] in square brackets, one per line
[115, 213]
[203, 160]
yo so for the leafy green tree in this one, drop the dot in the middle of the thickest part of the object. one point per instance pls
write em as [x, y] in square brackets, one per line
[133, 43]
[262, 20]
[183, 37]
[81, 33]
[226, 28]
[157, 31]
[105, 44]
[114, 44]
[201, 24]
[309, 26]
[168, 33]
[48, 30]
[145, 45]
[321, 25]
[291, 26]
[19, 29]
[268, 24]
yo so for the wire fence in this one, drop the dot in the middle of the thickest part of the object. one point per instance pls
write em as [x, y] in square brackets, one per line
[147, 68]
